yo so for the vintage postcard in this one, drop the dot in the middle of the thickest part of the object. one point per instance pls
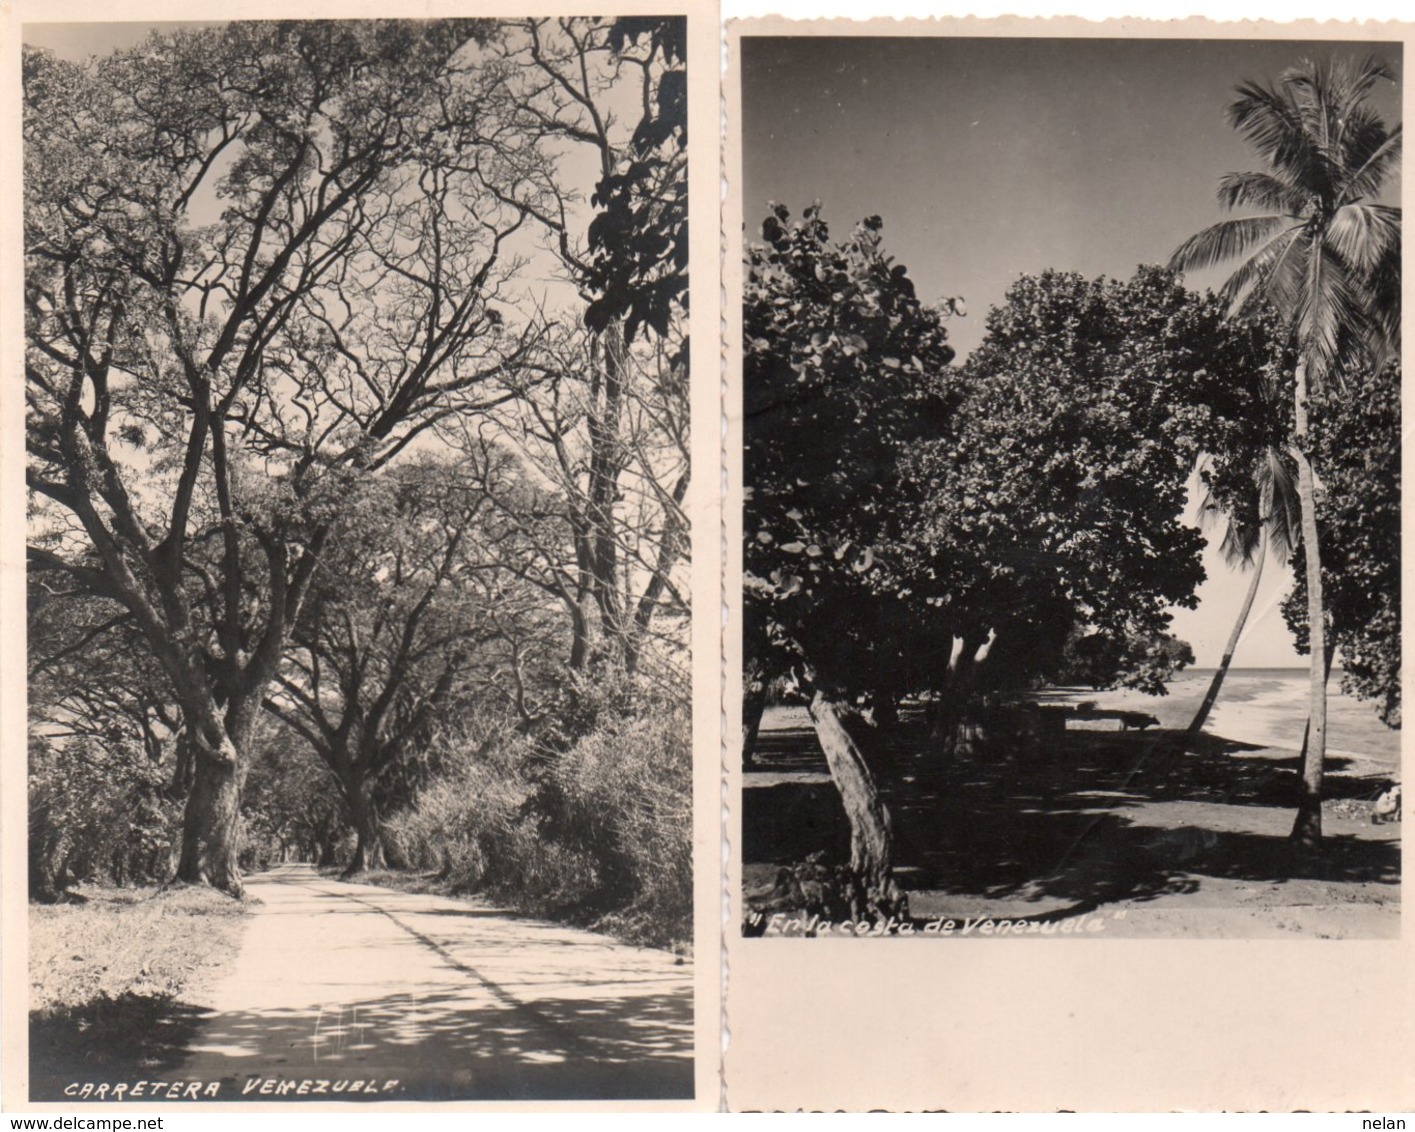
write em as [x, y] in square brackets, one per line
[371, 526]
[1063, 433]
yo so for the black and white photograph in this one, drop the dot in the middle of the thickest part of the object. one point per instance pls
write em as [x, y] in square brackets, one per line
[1070, 533]
[359, 660]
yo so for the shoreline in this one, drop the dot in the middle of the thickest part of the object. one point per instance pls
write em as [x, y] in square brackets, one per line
[1254, 715]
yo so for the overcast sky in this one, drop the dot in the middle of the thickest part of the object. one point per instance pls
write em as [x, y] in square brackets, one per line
[990, 158]
[80, 40]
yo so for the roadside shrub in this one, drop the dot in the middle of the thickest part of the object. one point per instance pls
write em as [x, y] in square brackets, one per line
[599, 834]
[627, 791]
[99, 813]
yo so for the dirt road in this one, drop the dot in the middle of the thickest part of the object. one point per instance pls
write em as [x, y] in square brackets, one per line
[345, 991]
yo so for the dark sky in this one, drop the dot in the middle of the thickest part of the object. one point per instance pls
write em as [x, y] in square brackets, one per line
[989, 158]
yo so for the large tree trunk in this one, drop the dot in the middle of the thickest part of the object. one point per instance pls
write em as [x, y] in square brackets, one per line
[368, 853]
[871, 839]
[606, 464]
[211, 824]
[1201, 716]
[1307, 829]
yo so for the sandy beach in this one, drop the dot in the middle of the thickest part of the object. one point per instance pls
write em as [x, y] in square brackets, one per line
[1108, 826]
[1266, 707]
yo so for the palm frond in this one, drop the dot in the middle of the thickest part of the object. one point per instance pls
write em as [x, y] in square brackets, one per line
[1331, 312]
[1240, 542]
[1372, 168]
[1363, 234]
[1279, 504]
[1223, 241]
[1241, 530]
[1261, 190]
[1383, 291]
[1271, 275]
[1273, 124]
[1348, 83]
[1332, 99]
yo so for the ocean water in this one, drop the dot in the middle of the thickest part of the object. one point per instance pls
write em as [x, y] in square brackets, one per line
[1269, 705]
[1266, 706]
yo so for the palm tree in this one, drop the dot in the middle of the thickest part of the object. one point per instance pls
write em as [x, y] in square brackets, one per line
[1263, 524]
[1326, 257]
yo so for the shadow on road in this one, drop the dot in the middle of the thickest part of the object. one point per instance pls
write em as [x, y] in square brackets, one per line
[1097, 818]
[348, 992]
[131, 1037]
[623, 1049]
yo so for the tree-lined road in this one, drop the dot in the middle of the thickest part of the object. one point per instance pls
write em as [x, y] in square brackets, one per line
[338, 983]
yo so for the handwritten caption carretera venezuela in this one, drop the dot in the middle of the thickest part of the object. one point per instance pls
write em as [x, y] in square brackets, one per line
[784, 924]
[254, 1087]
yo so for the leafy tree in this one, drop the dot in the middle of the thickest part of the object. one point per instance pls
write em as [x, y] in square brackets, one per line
[1053, 506]
[109, 760]
[254, 273]
[91, 676]
[98, 811]
[1326, 257]
[1049, 533]
[916, 529]
[843, 370]
[608, 427]
[634, 617]
[412, 622]
[1356, 443]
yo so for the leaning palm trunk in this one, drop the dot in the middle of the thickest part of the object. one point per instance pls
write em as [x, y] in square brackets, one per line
[1324, 256]
[1307, 829]
[1201, 716]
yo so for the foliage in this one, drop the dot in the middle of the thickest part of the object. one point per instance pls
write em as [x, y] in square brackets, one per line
[100, 813]
[899, 510]
[601, 833]
[639, 239]
[291, 809]
[1054, 506]
[1323, 253]
[1356, 444]
[415, 619]
[1100, 661]
[843, 370]
[253, 275]
[607, 424]
[599, 517]
[270, 267]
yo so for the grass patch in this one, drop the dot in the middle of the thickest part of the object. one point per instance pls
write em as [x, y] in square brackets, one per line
[111, 980]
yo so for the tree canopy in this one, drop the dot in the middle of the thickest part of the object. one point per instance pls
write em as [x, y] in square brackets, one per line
[1028, 497]
[1053, 507]
[844, 369]
[272, 268]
